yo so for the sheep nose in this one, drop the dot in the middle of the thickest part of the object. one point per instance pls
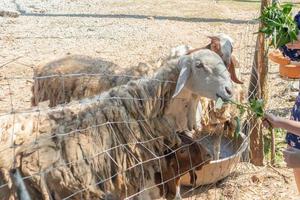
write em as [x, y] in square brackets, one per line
[229, 92]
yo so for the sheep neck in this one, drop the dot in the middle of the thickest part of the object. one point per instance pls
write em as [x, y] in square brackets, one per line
[182, 110]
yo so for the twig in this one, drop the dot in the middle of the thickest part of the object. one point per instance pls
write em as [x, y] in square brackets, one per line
[285, 178]
[13, 60]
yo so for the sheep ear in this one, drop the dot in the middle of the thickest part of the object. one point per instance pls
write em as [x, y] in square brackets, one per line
[215, 43]
[231, 68]
[185, 64]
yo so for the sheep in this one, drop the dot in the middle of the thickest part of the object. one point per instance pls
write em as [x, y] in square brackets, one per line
[213, 121]
[187, 158]
[76, 76]
[52, 82]
[97, 147]
[59, 90]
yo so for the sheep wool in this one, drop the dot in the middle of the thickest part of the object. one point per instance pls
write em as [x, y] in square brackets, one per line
[93, 148]
[77, 76]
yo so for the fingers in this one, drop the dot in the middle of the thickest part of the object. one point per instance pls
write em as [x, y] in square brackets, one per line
[272, 120]
[269, 116]
[266, 123]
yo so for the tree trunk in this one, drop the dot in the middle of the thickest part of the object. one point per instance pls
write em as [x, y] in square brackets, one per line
[258, 89]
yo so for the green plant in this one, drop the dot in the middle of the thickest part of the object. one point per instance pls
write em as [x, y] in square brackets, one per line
[254, 106]
[279, 24]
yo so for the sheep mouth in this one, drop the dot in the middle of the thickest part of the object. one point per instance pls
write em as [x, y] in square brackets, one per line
[223, 98]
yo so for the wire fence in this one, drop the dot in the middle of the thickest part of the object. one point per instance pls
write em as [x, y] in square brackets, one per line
[102, 148]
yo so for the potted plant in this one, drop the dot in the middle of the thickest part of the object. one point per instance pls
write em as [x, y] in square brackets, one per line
[280, 28]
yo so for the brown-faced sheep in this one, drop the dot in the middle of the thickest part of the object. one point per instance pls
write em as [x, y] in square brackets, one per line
[186, 158]
[109, 146]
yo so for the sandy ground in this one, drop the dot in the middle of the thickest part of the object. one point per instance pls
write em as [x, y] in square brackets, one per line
[128, 32]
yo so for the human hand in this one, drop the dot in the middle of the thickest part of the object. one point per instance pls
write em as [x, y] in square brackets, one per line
[292, 157]
[270, 121]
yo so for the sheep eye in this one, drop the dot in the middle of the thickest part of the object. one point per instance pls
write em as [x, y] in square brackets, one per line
[200, 65]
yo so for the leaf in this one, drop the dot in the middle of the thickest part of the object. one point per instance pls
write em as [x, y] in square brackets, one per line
[266, 30]
[287, 8]
[219, 103]
[293, 36]
[279, 24]
[256, 106]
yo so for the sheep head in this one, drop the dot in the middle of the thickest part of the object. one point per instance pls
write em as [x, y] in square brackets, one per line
[222, 44]
[191, 154]
[187, 157]
[204, 74]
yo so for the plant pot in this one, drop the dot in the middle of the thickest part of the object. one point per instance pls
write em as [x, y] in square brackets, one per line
[277, 57]
[290, 71]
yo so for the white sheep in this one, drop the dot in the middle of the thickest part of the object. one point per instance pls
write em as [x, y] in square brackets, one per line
[93, 148]
[77, 76]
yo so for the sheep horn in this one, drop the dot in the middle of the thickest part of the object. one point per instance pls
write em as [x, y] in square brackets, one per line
[231, 68]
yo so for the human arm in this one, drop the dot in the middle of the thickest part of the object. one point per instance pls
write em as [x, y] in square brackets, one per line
[279, 122]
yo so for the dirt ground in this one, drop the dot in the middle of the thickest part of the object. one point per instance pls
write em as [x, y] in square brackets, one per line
[128, 32]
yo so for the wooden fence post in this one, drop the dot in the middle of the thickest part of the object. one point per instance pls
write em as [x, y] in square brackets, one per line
[258, 88]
